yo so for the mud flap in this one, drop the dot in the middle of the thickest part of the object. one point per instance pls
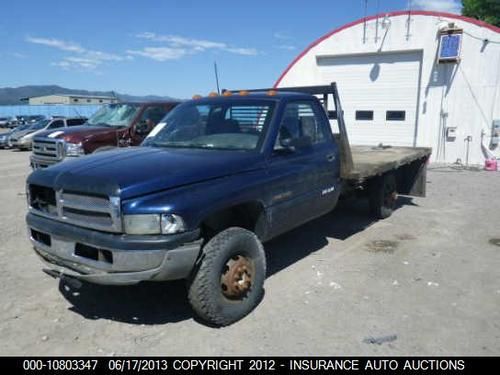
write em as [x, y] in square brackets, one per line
[412, 178]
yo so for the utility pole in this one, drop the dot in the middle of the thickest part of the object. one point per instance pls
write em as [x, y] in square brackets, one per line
[364, 22]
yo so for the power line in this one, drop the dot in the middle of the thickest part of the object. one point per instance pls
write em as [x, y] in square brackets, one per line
[483, 39]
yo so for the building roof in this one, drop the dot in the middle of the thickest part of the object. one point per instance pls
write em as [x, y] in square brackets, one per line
[86, 96]
[73, 96]
[382, 15]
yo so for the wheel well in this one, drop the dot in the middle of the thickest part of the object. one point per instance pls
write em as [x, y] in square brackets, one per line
[250, 215]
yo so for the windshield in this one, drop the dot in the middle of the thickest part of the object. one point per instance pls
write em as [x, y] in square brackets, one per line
[231, 125]
[39, 125]
[114, 115]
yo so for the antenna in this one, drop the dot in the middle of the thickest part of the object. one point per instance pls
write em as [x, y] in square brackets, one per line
[216, 77]
[408, 21]
[114, 95]
[364, 21]
[77, 113]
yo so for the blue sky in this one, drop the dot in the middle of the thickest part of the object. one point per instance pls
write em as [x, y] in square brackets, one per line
[168, 47]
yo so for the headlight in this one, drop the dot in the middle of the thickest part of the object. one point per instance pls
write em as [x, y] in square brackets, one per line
[24, 140]
[141, 224]
[153, 224]
[74, 149]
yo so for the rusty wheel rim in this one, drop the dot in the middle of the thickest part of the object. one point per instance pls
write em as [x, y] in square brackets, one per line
[237, 277]
[390, 195]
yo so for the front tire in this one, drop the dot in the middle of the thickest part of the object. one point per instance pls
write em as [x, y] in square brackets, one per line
[228, 283]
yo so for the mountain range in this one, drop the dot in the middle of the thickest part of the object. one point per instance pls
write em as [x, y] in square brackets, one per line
[13, 95]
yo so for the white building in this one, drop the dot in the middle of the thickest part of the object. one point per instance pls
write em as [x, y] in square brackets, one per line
[395, 90]
[71, 99]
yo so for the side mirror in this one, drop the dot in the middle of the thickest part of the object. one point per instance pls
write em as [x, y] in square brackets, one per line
[296, 143]
[142, 128]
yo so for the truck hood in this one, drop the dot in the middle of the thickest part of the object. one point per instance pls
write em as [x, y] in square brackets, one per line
[138, 171]
[76, 134]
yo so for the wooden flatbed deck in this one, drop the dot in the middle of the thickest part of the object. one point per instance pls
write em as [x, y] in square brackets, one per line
[370, 161]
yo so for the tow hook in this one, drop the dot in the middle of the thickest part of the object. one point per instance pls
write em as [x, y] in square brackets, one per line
[70, 281]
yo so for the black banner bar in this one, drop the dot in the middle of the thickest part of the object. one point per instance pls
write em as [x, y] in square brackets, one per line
[277, 365]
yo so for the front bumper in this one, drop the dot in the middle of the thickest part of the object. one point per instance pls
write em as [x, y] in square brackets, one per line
[26, 145]
[38, 162]
[112, 259]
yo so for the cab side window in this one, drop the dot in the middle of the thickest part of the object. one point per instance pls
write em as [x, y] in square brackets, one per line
[56, 124]
[75, 121]
[152, 115]
[300, 119]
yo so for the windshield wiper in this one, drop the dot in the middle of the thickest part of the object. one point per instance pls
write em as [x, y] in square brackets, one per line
[191, 145]
[169, 144]
[100, 124]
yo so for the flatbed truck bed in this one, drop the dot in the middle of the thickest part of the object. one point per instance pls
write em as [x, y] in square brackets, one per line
[371, 161]
[361, 165]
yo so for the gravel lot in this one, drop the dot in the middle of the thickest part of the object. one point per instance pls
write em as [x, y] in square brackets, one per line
[426, 281]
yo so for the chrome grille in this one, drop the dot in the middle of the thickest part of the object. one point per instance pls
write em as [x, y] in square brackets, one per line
[85, 210]
[49, 149]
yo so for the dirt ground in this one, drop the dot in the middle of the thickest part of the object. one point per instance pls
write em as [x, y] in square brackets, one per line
[423, 282]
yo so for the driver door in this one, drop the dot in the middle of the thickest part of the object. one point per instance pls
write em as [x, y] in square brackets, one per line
[298, 174]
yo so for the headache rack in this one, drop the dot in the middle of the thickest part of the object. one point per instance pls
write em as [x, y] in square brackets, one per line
[323, 91]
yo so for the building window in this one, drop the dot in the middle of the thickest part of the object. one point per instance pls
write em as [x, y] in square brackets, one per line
[395, 115]
[88, 100]
[75, 100]
[100, 100]
[364, 115]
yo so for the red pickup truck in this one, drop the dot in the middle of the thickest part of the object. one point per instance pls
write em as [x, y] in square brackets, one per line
[114, 125]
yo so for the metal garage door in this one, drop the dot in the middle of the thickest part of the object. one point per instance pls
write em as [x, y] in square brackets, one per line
[379, 95]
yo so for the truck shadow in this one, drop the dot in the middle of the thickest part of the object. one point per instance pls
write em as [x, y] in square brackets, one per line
[144, 303]
[166, 302]
[348, 218]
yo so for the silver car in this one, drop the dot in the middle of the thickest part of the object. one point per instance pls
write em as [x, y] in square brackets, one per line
[5, 137]
[23, 139]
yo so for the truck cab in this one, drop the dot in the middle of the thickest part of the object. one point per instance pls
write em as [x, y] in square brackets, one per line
[113, 125]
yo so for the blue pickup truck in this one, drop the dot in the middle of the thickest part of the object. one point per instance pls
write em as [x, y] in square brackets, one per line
[216, 178]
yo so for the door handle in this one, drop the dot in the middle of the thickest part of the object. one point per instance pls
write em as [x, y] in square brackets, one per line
[330, 157]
